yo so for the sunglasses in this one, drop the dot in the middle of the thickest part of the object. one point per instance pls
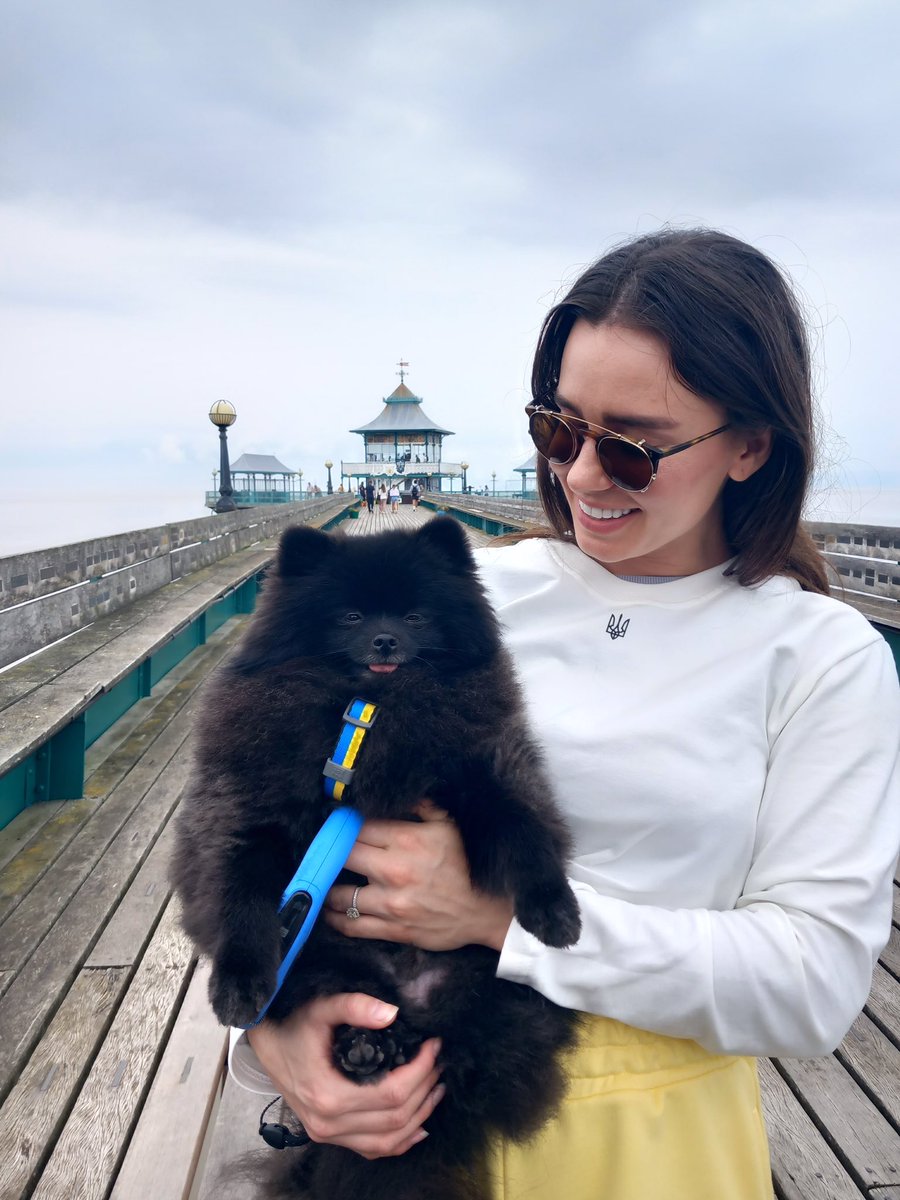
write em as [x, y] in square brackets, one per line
[630, 465]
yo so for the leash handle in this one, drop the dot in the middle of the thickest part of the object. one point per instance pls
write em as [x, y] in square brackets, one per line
[304, 896]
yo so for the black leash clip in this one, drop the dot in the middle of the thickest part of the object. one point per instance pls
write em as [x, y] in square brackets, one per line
[279, 1136]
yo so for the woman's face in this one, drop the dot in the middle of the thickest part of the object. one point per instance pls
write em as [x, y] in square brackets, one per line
[622, 379]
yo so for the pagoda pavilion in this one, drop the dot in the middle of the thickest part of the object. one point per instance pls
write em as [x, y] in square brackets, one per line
[403, 441]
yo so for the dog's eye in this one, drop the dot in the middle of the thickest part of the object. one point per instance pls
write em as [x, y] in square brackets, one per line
[414, 619]
[351, 618]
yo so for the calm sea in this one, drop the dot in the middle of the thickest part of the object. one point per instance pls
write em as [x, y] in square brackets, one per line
[27, 523]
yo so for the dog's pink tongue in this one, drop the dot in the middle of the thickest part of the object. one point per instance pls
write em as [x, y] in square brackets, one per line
[383, 668]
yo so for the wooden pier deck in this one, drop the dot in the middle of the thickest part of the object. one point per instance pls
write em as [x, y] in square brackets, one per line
[112, 1077]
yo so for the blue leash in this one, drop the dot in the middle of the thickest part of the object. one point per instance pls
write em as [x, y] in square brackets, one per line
[302, 899]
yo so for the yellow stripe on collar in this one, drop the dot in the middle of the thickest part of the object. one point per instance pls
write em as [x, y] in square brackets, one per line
[338, 770]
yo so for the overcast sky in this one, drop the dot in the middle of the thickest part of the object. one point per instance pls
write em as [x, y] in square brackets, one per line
[272, 203]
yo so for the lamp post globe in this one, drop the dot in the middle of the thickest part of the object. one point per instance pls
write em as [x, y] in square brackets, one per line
[464, 466]
[493, 483]
[328, 465]
[222, 414]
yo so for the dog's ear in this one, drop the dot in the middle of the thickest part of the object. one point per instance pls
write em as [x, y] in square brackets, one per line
[447, 535]
[301, 550]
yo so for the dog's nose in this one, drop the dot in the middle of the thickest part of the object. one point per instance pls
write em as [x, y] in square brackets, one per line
[385, 643]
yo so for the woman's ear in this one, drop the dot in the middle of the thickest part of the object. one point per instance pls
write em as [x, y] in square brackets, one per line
[754, 450]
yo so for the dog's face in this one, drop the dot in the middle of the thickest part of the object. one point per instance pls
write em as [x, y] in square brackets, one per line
[374, 605]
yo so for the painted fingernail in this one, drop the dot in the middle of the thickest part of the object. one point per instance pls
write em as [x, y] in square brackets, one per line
[439, 1093]
[420, 1137]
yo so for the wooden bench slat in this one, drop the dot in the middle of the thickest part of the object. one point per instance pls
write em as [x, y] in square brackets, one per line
[86, 1155]
[178, 1107]
[35, 1109]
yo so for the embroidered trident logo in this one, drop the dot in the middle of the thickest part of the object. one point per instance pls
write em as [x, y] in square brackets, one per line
[616, 627]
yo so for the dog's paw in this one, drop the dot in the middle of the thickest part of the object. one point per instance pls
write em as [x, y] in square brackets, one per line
[237, 998]
[367, 1054]
[550, 912]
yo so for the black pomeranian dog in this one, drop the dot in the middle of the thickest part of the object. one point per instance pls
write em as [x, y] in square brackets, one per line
[401, 620]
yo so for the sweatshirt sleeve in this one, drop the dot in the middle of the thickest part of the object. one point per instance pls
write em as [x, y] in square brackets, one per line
[788, 969]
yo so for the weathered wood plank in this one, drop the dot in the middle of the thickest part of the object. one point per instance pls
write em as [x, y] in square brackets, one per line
[124, 629]
[166, 1144]
[883, 1004]
[28, 868]
[162, 770]
[803, 1166]
[875, 1060]
[34, 1112]
[87, 1153]
[15, 836]
[235, 1136]
[123, 940]
[890, 956]
[38, 987]
[869, 1145]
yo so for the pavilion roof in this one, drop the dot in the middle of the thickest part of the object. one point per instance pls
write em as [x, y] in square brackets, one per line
[402, 413]
[260, 464]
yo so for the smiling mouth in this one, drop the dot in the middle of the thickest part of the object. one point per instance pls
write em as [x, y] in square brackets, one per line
[604, 514]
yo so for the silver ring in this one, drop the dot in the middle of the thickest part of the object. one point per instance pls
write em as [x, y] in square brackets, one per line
[353, 912]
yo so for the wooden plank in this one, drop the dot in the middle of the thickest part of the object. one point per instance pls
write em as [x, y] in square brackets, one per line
[27, 869]
[803, 1166]
[868, 1145]
[123, 940]
[38, 987]
[875, 1062]
[20, 875]
[235, 1136]
[87, 1153]
[15, 836]
[890, 956]
[34, 1112]
[31, 719]
[166, 1144]
[883, 1004]
[162, 767]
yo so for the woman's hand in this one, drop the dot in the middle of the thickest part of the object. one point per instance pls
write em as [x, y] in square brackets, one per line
[419, 890]
[376, 1120]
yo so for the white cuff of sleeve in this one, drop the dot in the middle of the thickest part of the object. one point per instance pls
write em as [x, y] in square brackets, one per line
[245, 1068]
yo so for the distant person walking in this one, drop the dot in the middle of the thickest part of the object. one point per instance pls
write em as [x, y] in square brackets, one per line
[414, 495]
[382, 498]
[370, 496]
[394, 495]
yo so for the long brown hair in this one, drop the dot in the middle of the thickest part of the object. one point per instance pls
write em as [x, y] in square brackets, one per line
[735, 336]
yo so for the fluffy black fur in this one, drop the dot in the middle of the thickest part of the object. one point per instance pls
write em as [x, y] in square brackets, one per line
[450, 726]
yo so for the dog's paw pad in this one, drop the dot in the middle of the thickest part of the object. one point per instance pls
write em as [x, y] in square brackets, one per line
[366, 1054]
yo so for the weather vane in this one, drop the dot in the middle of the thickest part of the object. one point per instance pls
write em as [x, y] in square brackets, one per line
[402, 372]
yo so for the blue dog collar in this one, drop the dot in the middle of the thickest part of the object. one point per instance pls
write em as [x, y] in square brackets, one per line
[338, 770]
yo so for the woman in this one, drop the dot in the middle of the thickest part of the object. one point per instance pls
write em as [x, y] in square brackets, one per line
[382, 498]
[394, 497]
[690, 679]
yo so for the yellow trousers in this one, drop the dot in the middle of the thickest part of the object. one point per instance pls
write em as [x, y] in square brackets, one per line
[646, 1118]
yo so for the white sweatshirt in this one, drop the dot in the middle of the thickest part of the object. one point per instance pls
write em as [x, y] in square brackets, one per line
[727, 761]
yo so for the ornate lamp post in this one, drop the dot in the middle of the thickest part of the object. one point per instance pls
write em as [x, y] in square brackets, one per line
[465, 467]
[328, 465]
[493, 483]
[222, 414]
[300, 485]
